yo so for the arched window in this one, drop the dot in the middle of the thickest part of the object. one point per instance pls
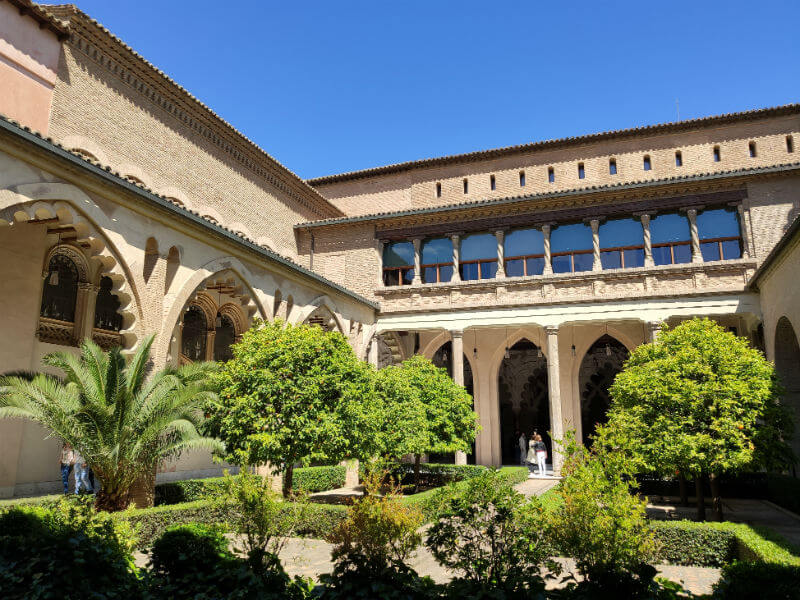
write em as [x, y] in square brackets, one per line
[105, 312]
[720, 237]
[60, 290]
[478, 258]
[224, 338]
[398, 263]
[621, 244]
[671, 239]
[524, 252]
[195, 332]
[571, 248]
[437, 260]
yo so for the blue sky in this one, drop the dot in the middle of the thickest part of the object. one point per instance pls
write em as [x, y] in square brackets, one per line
[332, 86]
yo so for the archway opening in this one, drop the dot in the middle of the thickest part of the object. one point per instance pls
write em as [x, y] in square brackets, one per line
[599, 367]
[194, 334]
[787, 364]
[524, 399]
[224, 338]
[443, 358]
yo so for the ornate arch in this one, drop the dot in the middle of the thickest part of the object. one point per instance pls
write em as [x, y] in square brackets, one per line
[75, 255]
[318, 304]
[236, 315]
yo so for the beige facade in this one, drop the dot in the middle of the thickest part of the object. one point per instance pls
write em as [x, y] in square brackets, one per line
[145, 213]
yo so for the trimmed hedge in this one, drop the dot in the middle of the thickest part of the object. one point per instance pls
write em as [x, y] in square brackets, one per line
[152, 522]
[434, 474]
[306, 479]
[765, 581]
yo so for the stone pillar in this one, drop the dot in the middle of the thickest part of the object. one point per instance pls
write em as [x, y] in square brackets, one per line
[211, 335]
[548, 267]
[84, 310]
[655, 327]
[648, 245]
[744, 231]
[554, 393]
[373, 351]
[697, 257]
[455, 239]
[417, 270]
[457, 337]
[350, 473]
[597, 265]
[380, 245]
[501, 263]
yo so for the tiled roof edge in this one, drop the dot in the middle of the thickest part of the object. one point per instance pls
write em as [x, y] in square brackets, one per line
[793, 166]
[105, 173]
[44, 17]
[72, 10]
[786, 109]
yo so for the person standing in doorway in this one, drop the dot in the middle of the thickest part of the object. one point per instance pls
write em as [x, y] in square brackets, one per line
[67, 461]
[523, 448]
[530, 457]
[541, 455]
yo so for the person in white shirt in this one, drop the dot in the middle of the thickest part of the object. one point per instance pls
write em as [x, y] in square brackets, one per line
[67, 461]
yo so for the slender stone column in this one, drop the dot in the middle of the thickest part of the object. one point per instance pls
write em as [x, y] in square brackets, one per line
[655, 327]
[417, 274]
[744, 231]
[548, 267]
[648, 245]
[211, 335]
[501, 263]
[697, 257]
[373, 351]
[85, 303]
[457, 337]
[455, 239]
[597, 265]
[380, 245]
[554, 393]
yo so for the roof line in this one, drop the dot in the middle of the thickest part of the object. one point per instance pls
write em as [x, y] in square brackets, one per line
[42, 16]
[786, 109]
[105, 173]
[793, 166]
[322, 204]
[774, 254]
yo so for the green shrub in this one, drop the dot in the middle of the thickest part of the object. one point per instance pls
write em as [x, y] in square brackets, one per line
[433, 474]
[746, 580]
[69, 551]
[306, 479]
[696, 544]
[491, 536]
[183, 549]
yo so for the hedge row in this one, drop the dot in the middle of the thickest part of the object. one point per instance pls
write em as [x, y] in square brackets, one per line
[433, 474]
[151, 522]
[718, 544]
[306, 479]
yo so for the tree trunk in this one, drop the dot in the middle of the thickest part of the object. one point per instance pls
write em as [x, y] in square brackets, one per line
[288, 475]
[682, 487]
[701, 500]
[716, 497]
[110, 501]
[417, 460]
[143, 490]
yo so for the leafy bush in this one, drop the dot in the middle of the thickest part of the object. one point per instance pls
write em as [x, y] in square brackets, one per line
[602, 525]
[434, 475]
[745, 581]
[491, 536]
[690, 543]
[306, 479]
[69, 551]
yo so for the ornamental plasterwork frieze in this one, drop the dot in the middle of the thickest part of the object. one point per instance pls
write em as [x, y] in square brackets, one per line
[669, 280]
[103, 52]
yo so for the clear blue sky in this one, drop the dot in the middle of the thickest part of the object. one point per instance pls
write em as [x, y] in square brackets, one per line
[331, 86]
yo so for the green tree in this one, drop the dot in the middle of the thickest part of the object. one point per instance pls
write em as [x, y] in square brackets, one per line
[700, 401]
[424, 411]
[293, 394]
[121, 421]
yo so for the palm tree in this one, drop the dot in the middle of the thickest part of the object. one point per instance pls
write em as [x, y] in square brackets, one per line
[120, 420]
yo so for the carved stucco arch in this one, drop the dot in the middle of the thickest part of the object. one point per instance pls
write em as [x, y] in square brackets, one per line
[71, 206]
[235, 313]
[219, 267]
[136, 172]
[317, 303]
[77, 257]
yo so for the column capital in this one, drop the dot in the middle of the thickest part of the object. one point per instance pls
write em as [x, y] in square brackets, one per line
[644, 217]
[499, 232]
[545, 227]
[456, 333]
[417, 241]
[655, 327]
[551, 329]
[691, 212]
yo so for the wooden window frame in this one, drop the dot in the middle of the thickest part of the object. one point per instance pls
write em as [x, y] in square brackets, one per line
[524, 258]
[672, 249]
[719, 241]
[401, 272]
[437, 266]
[480, 262]
[571, 254]
[621, 250]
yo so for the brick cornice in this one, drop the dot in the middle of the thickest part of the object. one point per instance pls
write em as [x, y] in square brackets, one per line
[99, 45]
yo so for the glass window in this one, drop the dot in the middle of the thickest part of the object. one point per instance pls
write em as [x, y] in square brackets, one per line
[571, 248]
[478, 257]
[105, 312]
[524, 252]
[621, 244]
[223, 339]
[671, 239]
[194, 334]
[60, 290]
[398, 263]
[720, 237]
[437, 260]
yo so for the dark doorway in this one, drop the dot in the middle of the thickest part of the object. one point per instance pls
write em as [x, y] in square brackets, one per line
[443, 358]
[599, 367]
[524, 400]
